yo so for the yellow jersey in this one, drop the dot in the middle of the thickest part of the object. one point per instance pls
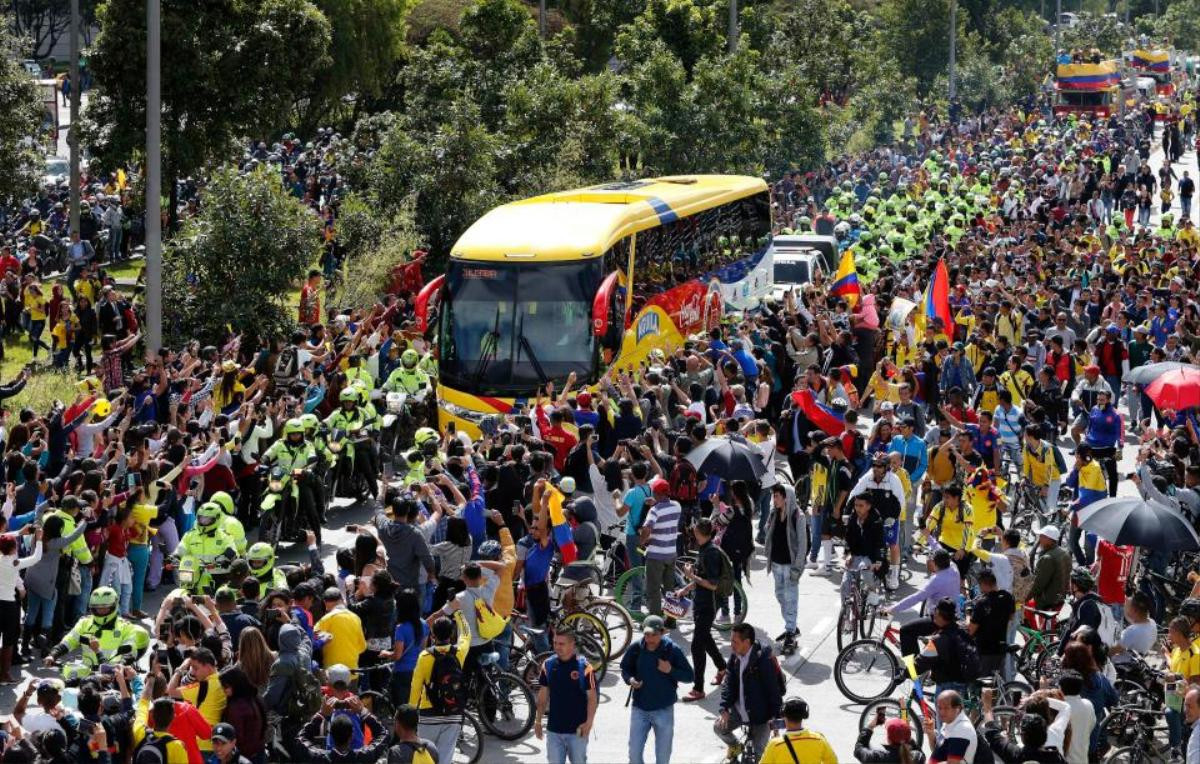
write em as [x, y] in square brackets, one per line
[952, 527]
[810, 748]
[212, 707]
[1040, 467]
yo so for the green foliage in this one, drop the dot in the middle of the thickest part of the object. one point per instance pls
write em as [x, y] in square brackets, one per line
[366, 39]
[235, 263]
[691, 30]
[916, 34]
[1106, 34]
[230, 68]
[374, 245]
[20, 116]
[1181, 24]
[1023, 49]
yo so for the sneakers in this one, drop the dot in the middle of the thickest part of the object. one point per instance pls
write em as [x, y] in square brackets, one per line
[893, 579]
[812, 565]
[782, 637]
[722, 619]
[694, 696]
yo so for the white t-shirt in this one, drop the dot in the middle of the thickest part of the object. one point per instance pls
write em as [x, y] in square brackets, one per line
[1083, 719]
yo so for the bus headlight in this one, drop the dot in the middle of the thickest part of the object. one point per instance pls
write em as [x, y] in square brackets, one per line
[474, 417]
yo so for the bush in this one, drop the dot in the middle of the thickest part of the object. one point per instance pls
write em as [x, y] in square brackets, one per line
[233, 265]
[374, 247]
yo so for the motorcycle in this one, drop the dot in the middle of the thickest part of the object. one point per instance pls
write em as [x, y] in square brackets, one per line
[405, 413]
[279, 517]
[346, 478]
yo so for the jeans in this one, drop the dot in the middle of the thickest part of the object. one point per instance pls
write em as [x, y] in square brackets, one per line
[36, 327]
[401, 687]
[1185, 206]
[1083, 555]
[662, 721]
[1010, 660]
[1174, 727]
[561, 746]
[817, 520]
[139, 560]
[658, 573]
[503, 645]
[636, 558]
[1013, 452]
[763, 505]
[85, 591]
[787, 592]
[759, 733]
[43, 606]
[1114, 384]
[444, 736]
[114, 242]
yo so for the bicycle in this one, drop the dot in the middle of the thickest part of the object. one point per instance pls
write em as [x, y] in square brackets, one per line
[869, 669]
[503, 701]
[919, 704]
[1136, 737]
[1029, 511]
[860, 605]
[631, 587]
[468, 749]
[1039, 642]
[528, 662]
[579, 598]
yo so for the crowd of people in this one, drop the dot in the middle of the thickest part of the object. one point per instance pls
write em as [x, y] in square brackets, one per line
[884, 435]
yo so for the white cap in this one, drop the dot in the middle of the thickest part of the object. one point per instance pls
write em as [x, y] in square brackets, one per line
[1051, 532]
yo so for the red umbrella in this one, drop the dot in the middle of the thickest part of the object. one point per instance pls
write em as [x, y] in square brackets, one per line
[1177, 389]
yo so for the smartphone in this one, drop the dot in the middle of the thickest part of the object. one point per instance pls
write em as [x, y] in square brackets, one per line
[107, 669]
[450, 428]
[162, 656]
[880, 715]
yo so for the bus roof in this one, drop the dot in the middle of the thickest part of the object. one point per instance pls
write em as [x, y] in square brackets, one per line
[585, 222]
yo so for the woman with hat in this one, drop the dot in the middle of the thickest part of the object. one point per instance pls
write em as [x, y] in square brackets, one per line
[898, 747]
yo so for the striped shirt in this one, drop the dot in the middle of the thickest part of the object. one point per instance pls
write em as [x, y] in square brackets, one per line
[1009, 424]
[663, 522]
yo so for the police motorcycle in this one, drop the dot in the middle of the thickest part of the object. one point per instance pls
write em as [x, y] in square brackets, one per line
[104, 639]
[352, 440]
[405, 413]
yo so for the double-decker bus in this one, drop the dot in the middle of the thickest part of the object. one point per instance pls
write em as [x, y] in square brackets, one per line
[1155, 64]
[585, 281]
[1087, 88]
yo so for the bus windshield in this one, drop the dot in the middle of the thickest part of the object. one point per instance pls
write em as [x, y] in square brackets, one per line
[509, 329]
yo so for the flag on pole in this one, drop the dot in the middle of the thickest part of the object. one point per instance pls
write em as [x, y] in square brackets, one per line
[936, 302]
[845, 281]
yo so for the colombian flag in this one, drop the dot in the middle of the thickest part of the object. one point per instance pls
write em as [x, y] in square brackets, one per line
[560, 527]
[936, 302]
[845, 281]
[830, 421]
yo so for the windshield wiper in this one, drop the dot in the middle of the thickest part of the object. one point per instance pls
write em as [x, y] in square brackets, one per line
[528, 347]
[489, 350]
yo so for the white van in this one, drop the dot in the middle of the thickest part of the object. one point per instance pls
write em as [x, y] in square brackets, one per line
[794, 268]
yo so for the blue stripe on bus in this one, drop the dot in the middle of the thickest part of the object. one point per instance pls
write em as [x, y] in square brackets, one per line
[665, 213]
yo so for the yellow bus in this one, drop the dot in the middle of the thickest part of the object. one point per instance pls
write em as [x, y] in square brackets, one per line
[585, 281]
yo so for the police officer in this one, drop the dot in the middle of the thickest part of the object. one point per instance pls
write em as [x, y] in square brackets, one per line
[408, 377]
[229, 522]
[294, 453]
[208, 545]
[351, 417]
[262, 566]
[423, 452]
[101, 635]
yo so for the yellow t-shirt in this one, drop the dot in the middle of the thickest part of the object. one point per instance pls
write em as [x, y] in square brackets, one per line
[35, 304]
[213, 705]
[221, 400]
[955, 532]
[810, 747]
[1040, 466]
[347, 640]
[1193, 665]
[63, 332]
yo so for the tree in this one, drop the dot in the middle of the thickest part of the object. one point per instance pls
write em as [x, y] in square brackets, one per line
[1180, 23]
[1104, 33]
[373, 247]
[20, 116]
[916, 34]
[231, 68]
[235, 263]
[40, 24]
[691, 30]
[366, 39]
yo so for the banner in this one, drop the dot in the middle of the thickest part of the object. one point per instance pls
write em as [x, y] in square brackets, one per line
[898, 315]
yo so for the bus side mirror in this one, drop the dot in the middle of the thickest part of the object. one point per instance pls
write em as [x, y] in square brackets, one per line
[608, 313]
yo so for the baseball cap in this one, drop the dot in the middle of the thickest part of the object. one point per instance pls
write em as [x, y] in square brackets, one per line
[654, 624]
[584, 399]
[1050, 531]
[887, 406]
[1112, 329]
[1091, 369]
[338, 674]
[225, 731]
[897, 731]
[658, 485]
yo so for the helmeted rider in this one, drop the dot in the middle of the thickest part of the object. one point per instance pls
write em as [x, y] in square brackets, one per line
[293, 452]
[229, 523]
[261, 558]
[209, 546]
[408, 377]
[352, 416]
[424, 450]
[117, 639]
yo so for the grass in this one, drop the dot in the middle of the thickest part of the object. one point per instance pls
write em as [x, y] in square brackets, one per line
[47, 385]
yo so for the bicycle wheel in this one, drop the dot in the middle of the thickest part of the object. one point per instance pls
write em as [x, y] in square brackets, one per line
[583, 623]
[1012, 693]
[847, 627]
[505, 705]
[866, 624]
[593, 651]
[1132, 754]
[1009, 720]
[468, 749]
[629, 592]
[1049, 663]
[738, 613]
[866, 670]
[618, 622]
[893, 710]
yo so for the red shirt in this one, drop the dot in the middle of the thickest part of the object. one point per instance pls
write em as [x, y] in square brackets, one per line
[310, 305]
[559, 438]
[117, 539]
[188, 727]
[1114, 563]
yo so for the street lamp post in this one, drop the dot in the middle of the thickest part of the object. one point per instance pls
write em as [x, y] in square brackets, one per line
[153, 178]
[953, 41]
[733, 25]
[72, 133]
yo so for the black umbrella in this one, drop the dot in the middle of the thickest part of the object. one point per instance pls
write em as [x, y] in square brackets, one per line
[1144, 375]
[1137, 522]
[731, 458]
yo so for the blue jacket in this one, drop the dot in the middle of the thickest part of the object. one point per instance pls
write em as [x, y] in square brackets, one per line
[765, 685]
[658, 689]
[915, 455]
[1104, 427]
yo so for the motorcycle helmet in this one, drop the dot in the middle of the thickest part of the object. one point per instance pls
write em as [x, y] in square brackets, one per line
[102, 604]
[293, 427]
[347, 395]
[225, 501]
[208, 515]
[310, 422]
[409, 359]
[425, 435]
[261, 557]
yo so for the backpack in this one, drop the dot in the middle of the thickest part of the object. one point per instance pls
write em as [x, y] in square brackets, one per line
[358, 738]
[446, 691]
[304, 700]
[152, 749]
[1109, 630]
[725, 577]
[488, 623]
[684, 481]
[287, 365]
[968, 656]
[420, 753]
[581, 665]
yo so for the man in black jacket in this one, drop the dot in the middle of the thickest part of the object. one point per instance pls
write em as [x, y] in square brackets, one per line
[864, 539]
[752, 693]
[992, 611]
[943, 653]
